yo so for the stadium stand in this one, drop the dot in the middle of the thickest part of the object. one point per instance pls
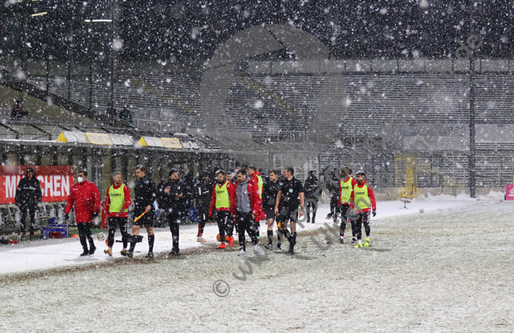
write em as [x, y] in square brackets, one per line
[276, 102]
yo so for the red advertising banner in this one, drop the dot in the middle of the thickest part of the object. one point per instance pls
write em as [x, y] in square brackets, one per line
[55, 181]
[509, 190]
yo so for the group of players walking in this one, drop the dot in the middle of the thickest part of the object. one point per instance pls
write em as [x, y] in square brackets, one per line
[244, 202]
[356, 201]
[85, 197]
[238, 200]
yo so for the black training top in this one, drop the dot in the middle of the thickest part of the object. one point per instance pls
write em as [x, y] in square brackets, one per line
[291, 189]
[170, 200]
[269, 193]
[203, 192]
[145, 192]
[28, 192]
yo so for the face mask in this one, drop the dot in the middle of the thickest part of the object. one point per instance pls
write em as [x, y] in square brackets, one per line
[80, 179]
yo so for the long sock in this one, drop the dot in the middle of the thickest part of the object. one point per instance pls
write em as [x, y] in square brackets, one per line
[289, 236]
[292, 242]
[133, 245]
[151, 239]
[279, 236]
[270, 237]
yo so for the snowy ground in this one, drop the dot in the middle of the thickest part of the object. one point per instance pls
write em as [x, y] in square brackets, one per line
[446, 270]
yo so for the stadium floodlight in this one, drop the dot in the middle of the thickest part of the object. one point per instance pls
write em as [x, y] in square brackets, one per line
[39, 14]
[98, 21]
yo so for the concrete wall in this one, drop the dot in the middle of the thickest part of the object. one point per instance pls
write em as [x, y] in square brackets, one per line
[391, 193]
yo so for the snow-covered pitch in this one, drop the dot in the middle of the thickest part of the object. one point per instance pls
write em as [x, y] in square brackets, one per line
[448, 269]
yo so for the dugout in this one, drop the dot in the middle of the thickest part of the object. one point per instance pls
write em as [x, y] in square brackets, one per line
[100, 150]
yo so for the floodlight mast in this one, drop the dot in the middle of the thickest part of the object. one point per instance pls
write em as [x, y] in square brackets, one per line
[472, 146]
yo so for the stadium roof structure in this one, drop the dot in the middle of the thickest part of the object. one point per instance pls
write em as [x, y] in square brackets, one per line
[38, 132]
[188, 31]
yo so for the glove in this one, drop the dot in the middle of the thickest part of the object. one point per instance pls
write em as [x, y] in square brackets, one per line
[374, 213]
[66, 216]
[95, 215]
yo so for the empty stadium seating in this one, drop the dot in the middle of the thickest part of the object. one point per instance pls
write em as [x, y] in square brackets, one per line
[267, 104]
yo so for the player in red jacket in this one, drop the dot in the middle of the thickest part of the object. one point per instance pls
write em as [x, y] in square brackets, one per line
[362, 203]
[84, 195]
[256, 180]
[223, 204]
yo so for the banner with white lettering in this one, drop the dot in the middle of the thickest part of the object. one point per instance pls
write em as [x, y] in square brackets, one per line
[55, 181]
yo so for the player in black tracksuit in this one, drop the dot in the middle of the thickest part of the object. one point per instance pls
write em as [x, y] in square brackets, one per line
[145, 193]
[289, 197]
[311, 188]
[189, 197]
[203, 191]
[169, 196]
[28, 195]
[333, 188]
[269, 198]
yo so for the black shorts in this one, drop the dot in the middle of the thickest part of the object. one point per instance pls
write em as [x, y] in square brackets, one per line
[147, 219]
[203, 213]
[269, 211]
[287, 214]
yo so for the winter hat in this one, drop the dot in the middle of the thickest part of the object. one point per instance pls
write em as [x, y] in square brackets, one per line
[360, 172]
[30, 170]
[172, 171]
